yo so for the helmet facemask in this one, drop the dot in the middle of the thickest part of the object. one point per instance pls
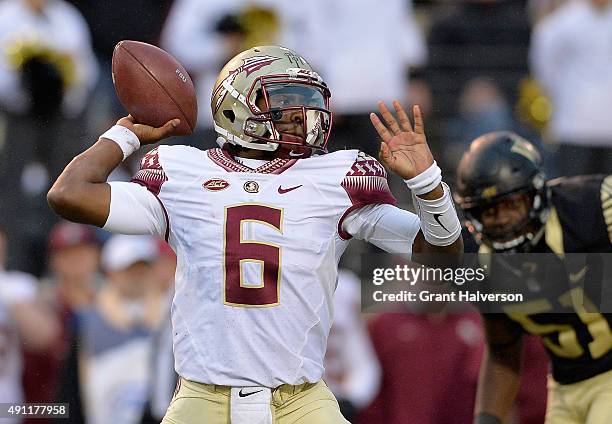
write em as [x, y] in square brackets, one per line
[289, 110]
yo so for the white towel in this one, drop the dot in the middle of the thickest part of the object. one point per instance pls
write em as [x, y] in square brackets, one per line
[250, 405]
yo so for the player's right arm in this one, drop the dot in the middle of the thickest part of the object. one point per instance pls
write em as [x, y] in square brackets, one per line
[500, 372]
[81, 193]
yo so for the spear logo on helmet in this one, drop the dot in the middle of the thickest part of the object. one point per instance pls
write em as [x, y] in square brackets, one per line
[249, 65]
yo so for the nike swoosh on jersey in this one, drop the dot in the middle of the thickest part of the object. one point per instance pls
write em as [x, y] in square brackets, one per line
[287, 190]
[247, 394]
[437, 218]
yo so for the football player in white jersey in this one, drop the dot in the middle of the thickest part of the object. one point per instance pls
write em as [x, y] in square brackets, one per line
[259, 226]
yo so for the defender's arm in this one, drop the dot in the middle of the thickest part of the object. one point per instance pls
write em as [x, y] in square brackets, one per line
[500, 372]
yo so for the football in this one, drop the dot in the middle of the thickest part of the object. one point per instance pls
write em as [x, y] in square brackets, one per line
[153, 86]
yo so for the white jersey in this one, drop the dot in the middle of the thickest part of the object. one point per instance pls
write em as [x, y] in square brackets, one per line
[258, 254]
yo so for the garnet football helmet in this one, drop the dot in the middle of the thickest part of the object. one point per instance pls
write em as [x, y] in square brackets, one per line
[497, 165]
[269, 96]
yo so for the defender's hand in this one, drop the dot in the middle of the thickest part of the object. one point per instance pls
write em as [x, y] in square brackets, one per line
[403, 150]
[147, 134]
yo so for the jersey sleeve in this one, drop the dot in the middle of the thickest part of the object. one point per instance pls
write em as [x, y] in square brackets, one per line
[151, 173]
[365, 184]
[135, 207]
[583, 205]
[386, 226]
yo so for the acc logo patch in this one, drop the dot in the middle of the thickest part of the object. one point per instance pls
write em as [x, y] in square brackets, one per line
[215, 184]
[251, 187]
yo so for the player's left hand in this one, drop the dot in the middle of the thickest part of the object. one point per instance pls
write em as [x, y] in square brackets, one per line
[403, 150]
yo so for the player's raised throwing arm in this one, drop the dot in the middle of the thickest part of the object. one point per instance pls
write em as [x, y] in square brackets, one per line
[404, 150]
[81, 193]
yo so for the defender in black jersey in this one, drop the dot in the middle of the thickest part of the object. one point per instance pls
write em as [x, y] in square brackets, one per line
[510, 207]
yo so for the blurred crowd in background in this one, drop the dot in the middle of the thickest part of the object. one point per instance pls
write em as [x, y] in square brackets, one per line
[84, 317]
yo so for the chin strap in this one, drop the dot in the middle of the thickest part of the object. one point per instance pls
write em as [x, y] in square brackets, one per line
[528, 240]
[231, 138]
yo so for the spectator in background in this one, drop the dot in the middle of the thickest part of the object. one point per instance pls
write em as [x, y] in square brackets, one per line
[163, 375]
[352, 371]
[478, 38]
[539, 9]
[73, 260]
[49, 40]
[24, 321]
[571, 57]
[477, 47]
[115, 333]
[47, 70]
[436, 384]
[112, 21]
[73, 276]
[483, 108]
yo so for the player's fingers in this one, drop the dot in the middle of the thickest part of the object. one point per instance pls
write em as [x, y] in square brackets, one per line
[382, 131]
[126, 121]
[385, 153]
[174, 123]
[167, 130]
[384, 150]
[419, 127]
[389, 118]
[171, 126]
[402, 116]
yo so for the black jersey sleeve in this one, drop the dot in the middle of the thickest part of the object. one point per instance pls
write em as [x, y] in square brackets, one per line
[584, 207]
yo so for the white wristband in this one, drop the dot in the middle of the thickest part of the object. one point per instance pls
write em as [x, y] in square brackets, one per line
[439, 221]
[426, 181]
[124, 137]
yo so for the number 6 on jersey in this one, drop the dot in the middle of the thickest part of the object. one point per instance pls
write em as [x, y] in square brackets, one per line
[238, 251]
